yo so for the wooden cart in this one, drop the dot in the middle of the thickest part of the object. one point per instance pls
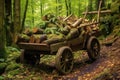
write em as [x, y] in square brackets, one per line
[63, 51]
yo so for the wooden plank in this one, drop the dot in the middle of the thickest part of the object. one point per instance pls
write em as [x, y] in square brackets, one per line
[75, 41]
[56, 46]
[34, 46]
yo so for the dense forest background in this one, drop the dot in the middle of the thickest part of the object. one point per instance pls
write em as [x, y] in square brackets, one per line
[18, 15]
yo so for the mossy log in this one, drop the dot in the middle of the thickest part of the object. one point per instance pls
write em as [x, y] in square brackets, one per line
[53, 40]
[23, 38]
[37, 38]
[72, 34]
[78, 22]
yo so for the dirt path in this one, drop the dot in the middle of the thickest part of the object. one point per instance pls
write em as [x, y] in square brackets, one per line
[107, 67]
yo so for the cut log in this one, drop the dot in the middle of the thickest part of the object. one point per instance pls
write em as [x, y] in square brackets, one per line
[37, 38]
[95, 12]
[37, 31]
[78, 22]
[87, 24]
[32, 39]
[67, 17]
[72, 34]
[23, 38]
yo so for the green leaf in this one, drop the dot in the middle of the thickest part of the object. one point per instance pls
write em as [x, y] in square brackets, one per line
[1, 78]
[2, 60]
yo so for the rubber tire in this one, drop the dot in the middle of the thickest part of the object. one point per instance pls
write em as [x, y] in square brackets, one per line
[59, 57]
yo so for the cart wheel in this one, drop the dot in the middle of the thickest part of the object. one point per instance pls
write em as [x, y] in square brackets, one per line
[93, 48]
[31, 58]
[64, 60]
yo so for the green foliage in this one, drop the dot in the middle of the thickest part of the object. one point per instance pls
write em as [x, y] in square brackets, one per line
[1, 78]
[14, 72]
[2, 67]
[50, 6]
[13, 54]
[12, 66]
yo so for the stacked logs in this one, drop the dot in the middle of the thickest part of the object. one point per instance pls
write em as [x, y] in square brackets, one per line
[71, 27]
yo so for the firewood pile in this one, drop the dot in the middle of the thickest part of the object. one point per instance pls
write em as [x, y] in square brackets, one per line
[58, 30]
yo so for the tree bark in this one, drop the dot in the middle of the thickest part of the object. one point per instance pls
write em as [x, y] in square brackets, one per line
[90, 8]
[67, 8]
[17, 20]
[70, 8]
[8, 21]
[41, 8]
[2, 30]
[32, 6]
[24, 16]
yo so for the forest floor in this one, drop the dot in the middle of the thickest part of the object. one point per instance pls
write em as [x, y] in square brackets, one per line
[106, 67]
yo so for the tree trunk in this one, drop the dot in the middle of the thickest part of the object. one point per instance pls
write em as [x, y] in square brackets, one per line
[17, 21]
[97, 2]
[41, 8]
[32, 6]
[2, 30]
[8, 21]
[70, 8]
[67, 8]
[90, 8]
[24, 16]
[79, 6]
[57, 8]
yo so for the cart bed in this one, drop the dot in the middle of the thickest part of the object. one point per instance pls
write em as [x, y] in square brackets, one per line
[34, 46]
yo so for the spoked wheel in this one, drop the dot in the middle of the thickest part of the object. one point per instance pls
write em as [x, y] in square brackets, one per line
[64, 60]
[93, 48]
[31, 58]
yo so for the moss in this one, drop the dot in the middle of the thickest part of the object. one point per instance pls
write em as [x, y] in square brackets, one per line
[13, 54]
[12, 66]
[2, 67]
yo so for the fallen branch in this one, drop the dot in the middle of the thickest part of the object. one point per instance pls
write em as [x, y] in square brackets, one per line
[95, 12]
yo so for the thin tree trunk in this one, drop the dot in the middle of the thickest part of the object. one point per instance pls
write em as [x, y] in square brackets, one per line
[8, 21]
[24, 16]
[57, 8]
[67, 8]
[41, 8]
[90, 8]
[2, 30]
[79, 8]
[70, 8]
[32, 6]
[17, 20]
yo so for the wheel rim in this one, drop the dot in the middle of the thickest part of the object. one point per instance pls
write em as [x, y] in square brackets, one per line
[64, 60]
[95, 48]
